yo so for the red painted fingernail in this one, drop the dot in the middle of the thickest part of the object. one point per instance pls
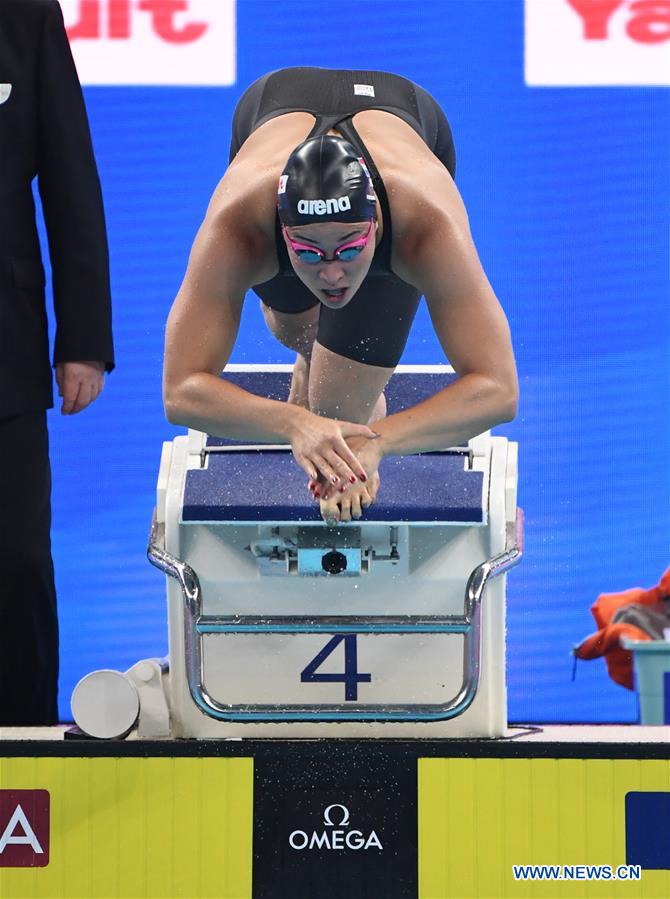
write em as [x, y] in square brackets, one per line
[317, 494]
[342, 489]
[352, 479]
[363, 477]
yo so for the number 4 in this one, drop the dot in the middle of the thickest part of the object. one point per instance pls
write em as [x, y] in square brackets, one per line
[350, 677]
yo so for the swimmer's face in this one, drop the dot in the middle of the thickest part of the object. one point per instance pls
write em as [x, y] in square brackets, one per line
[333, 280]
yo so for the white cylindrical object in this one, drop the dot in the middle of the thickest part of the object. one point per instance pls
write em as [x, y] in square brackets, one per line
[105, 704]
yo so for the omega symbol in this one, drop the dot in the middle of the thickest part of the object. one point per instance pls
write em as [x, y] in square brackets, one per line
[345, 816]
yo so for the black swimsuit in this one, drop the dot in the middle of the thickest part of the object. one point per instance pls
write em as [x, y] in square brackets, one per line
[374, 325]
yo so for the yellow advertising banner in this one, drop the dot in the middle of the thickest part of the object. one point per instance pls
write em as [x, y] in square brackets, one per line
[566, 825]
[500, 828]
[130, 827]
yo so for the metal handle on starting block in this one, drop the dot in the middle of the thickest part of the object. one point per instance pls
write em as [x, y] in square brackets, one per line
[197, 625]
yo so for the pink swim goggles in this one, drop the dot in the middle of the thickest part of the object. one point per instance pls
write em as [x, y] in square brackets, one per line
[345, 253]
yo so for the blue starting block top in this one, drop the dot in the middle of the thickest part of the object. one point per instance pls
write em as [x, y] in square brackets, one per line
[268, 486]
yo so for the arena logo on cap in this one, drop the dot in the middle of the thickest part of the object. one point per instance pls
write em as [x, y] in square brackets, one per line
[24, 828]
[324, 207]
[153, 42]
[597, 42]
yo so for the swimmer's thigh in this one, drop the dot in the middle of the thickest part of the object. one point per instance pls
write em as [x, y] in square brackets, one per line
[359, 346]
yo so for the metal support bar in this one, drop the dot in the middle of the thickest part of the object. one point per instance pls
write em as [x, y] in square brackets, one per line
[333, 624]
[197, 625]
[286, 447]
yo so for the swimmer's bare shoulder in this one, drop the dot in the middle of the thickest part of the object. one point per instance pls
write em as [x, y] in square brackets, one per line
[433, 249]
[241, 216]
[245, 199]
[233, 250]
[429, 219]
[424, 202]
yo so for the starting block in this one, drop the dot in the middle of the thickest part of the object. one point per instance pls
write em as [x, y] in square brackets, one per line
[280, 626]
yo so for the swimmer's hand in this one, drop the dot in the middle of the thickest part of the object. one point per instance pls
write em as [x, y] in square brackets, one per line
[349, 501]
[349, 505]
[320, 448]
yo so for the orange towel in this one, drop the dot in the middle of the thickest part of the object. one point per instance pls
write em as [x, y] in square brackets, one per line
[607, 640]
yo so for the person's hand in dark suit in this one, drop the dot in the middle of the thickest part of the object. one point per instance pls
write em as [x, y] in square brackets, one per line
[79, 383]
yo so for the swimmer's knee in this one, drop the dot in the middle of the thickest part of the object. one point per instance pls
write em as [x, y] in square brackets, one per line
[297, 331]
[270, 318]
[378, 411]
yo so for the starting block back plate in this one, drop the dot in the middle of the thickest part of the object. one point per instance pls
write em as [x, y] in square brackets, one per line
[404, 389]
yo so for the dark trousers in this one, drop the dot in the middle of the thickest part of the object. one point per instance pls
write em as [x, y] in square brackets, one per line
[28, 620]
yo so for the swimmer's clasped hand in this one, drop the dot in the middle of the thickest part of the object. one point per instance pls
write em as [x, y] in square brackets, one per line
[320, 448]
[349, 506]
[349, 502]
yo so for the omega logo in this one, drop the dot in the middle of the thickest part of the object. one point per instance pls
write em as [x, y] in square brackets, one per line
[335, 817]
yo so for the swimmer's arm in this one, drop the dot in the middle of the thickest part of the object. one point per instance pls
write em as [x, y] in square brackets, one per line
[473, 331]
[201, 332]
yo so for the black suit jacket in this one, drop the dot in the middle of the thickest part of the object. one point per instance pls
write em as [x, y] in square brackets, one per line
[44, 132]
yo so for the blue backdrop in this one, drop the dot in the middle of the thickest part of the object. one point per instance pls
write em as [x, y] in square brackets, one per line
[567, 191]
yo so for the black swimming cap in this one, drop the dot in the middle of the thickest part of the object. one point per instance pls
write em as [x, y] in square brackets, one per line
[325, 180]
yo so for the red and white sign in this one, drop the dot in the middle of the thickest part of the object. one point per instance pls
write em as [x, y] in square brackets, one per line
[24, 828]
[153, 42]
[597, 42]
